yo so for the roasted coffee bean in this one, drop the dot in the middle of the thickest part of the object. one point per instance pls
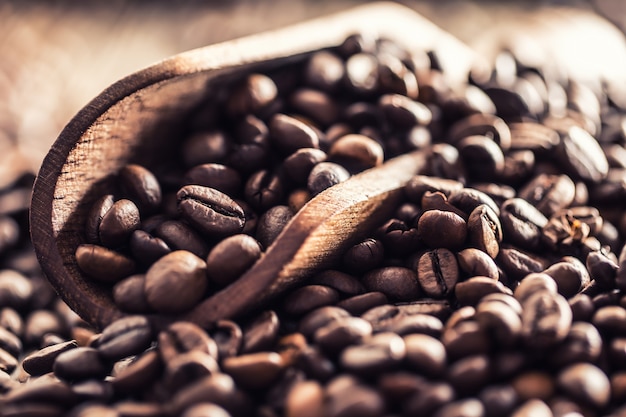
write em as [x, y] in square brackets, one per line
[80, 364]
[305, 399]
[118, 223]
[254, 370]
[469, 292]
[356, 152]
[522, 223]
[379, 353]
[581, 156]
[40, 323]
[438, 201]
[261, 333]
[142, 187]
[339, 333]
[146, 248]
[601, 269]
[289, 134]
[315, 105]
[264, 190]
[359, 304]
[482, 124]
[532, 283]
[355, 400]
[398, 238]
[127, 336]
[231, 257]
[532, 407]
[442, 229]
[10, 342]
[467, 407]
[203, 147]
[271, 224]
[610, 320]
[102, 264]
[205, 410]
[430, 399]
[129, 294]
[420, 184]
[183, 337]
[570, 276]
[92, 225]
[362, 73]
[179, 236]
[403, 112]
[308, 298]
[484, 230]
[324, 70]
[533, 136]
[476, 262]
[467, 199]
[546, 319]
[587, 383]
[188, 367]
[299, 164]
[425, 354]
[517, 264]
[252, 95]
[549, 193]
[438, 273]
[444, 160]
[325, 175]
[209, 210]
[176, 282]
[397, 283]
[320, 317]
[344, 283]
[481, 156]
[8, 362]
[501, 321]
[215, 176]
[228, 337]
[582, 344]
[143, 370]
[41, 361]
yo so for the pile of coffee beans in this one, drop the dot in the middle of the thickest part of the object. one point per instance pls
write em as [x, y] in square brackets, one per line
[496, 288]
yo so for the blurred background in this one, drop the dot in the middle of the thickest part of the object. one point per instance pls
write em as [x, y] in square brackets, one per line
[57, 55]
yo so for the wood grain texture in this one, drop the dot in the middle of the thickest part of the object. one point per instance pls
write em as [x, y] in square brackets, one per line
[137, 120]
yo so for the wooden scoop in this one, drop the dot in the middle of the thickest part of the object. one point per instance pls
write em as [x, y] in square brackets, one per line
[136, 120]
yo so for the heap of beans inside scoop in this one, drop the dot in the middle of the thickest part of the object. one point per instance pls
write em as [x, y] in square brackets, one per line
[496, 288]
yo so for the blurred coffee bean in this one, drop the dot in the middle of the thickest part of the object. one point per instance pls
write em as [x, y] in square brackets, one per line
[231, 257]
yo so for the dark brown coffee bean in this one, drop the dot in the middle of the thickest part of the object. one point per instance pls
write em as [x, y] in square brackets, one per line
[320, 317]
[124, 337]
[254, 370]
[343, 283]
[403, 112]
[610, 320]
[188, 367]
[255, 93]
[102, 264]
[444, 160]
[79, 364]
[217, 388]
[498, 399]
[362, 73]
[342, 332]
[587, 383]
[420, 184]
[353, 401]
[396, 77]
[182, 337]
[205, 410]
[215, 176]
[438, 273]
[289, 134]
[397, 387]
[359, 304]
[146, 248]
[142, 371]
[425, 354]
[582, 344]
[179, 236]
[470, 374]
[271, 224]
[379, 353]
[364, 256]
[8, 362]
[43, 391]
[398, 238]
[498, 192]
[139, 409]
[470, 407]
[325, 175]
[176, 282]
[602, 269]
[401, 319]
[264, 190]
[41, 322]
[211, 211]
[316, 105]
[92, 225]
[34, 409]
[465, 339]
[549, 193]
[570, 276]
[142, 187]
[10, 342]
[356, 152]
[533, 136]
[532, 283]
[517, 264]
[484, 230]
[397, 283]
[204, 147]
[522, 223]
[467, 199]
[231, 257]
[546, 319]
[228, 337]
[502, 322]
[438, 201]
[324, 70]
[476, 262]
[482, 157]
[308, 298]
[442, 229]
[129, 294]
[299, 164]
[470, 291]
[305, 399]
[119, 223]
[41, 361]
[430, 399]
[261, 333]
[482, 124]
[581, 156]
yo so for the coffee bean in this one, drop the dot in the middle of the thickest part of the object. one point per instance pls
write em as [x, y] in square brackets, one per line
[444, 160]
[397, 283]
[586, 382]
[610, 320]
[142, 187]
[80, 364]
[359, 304]
[403, 112]
[549, 193]
[362, 73]
[430, 399]
[231, 257]
[484, 230]
[316, 105]
[344, 283]
[425, 354]
[532, 283]
[180, 236]
[176, 282]
[261, 333]
[143, 370]
[601, 269]
[325, 175]
[398, 238]
[481, 156]
[522, 223]
[546, 319]
[356, 152]
[420, 184]
[324, 70]
[476, 262]
[92, 225]
[118, 223]
[356, 400]
[271, 224]
[264, 190]
[305, 399]
[205, 410]
[41, 361]
[532, 407]
[482, 124]
[517, 264]
[215, 176]
[124, 337]
[379, 353]
[499, 320]
[146, 248]
[252, 95]
[342, 332]
[533, 136]
[209, 210]
[188, 367]
[228, 337]
[470, 291]
[467, 199]
[183, 337]
[289, 134]
[299, 164]
[581, 156]
[438, 273]
[102, 264]
[570, 276]
[129, 294]
[254, 370]
[466, 407]
[205, 147]
[442, 229]
[438, 201]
